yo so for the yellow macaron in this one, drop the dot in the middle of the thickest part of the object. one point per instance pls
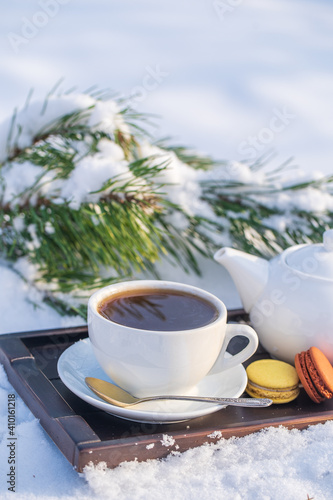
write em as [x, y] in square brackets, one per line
[273, 379]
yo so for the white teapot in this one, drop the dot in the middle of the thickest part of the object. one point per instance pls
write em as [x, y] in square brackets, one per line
[289, 298]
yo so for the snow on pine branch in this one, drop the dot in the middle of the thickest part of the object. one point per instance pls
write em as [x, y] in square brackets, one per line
[181, 183]
[42, 120]
[86, 197]
[20, 130]
[91, 171]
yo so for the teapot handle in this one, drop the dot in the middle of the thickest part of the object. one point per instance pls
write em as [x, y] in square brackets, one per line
[232, 330]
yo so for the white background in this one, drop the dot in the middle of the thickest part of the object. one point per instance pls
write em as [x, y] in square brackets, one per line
[228, 66]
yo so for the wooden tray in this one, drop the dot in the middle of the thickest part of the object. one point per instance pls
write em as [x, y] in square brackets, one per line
[85, 434]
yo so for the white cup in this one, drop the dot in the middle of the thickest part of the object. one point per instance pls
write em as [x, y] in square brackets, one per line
[145, 362]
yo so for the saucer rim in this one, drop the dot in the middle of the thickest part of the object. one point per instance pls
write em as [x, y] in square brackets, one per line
[134, 413]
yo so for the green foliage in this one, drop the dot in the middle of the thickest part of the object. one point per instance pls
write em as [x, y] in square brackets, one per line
[124, 231]
[256, 222]
[128, 223]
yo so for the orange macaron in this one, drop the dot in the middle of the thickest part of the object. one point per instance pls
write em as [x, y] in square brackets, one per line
[316, 374]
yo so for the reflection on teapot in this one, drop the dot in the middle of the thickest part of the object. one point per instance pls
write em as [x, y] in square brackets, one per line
[289, 298]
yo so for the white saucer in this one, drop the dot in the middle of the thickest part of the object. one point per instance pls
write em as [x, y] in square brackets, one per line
[78, 362]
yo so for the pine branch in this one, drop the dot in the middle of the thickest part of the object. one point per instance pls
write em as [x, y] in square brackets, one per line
[88, 203]
[254, 214]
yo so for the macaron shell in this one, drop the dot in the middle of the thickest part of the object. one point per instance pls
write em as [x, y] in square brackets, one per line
[273, 374]
[321, 371]
[301, 368]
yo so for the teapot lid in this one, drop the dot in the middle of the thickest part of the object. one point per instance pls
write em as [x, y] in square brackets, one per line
[314, 259]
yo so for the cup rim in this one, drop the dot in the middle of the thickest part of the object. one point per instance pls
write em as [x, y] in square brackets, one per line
[104, 292]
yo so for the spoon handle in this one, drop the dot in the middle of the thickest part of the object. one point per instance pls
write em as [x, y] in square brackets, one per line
[250, 402]
[118, 397]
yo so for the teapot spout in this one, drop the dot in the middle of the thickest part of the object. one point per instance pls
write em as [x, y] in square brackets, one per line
[249, 273]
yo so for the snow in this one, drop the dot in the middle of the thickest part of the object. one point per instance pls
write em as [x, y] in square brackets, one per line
[91, 173]
[167, 440]
[180, 182]
[256, 466]
[20, 129]
[217, 80]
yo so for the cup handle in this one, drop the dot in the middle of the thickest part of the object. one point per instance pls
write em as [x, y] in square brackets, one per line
[222, 363]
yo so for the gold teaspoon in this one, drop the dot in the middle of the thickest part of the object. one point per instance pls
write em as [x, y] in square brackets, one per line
[118, 397]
